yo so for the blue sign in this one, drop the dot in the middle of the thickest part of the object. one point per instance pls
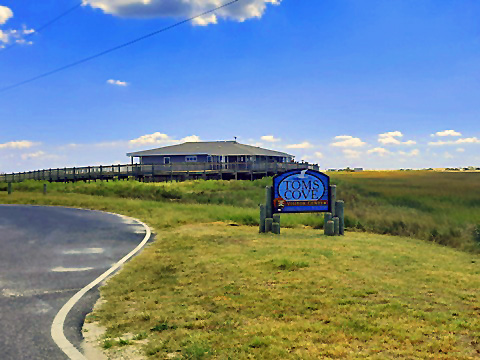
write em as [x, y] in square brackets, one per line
[301, 191]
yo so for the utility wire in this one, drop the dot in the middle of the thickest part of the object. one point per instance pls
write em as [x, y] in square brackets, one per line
[84, 60]
[38, 30]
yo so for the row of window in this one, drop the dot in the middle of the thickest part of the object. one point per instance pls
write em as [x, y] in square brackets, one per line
[193, 158]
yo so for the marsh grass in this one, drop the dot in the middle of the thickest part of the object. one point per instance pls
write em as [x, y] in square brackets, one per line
[440, 207]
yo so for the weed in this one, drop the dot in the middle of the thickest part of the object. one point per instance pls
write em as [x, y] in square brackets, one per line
[289, 265]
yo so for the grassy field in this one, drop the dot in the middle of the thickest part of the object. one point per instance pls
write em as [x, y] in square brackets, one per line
[438, 207]
[207, 289]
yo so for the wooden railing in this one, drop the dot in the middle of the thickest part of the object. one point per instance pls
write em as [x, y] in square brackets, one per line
[138, 171]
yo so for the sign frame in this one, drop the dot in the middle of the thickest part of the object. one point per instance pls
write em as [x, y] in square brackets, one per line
[325, 180]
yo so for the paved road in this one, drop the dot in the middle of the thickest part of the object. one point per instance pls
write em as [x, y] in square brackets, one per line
[47, 254]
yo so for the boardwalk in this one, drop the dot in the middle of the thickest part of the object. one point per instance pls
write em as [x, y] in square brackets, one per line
[157, 173]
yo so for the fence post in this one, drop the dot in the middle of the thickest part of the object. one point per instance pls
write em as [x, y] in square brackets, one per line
[326, 218]
[333, 198]
[262, 218]
[268, 201]
[9, 188]
[329, 228]
[268, 225]
[340, 212]
[336, 224]
[44, 189]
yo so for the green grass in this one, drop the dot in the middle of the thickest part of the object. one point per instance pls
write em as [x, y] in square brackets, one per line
[208, 290]
[439, 207]
[212, 291]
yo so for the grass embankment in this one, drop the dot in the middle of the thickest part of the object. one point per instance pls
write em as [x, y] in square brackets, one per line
[211, 291]
[439, 207]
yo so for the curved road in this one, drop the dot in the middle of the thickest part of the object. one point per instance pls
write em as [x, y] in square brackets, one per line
[47, 254]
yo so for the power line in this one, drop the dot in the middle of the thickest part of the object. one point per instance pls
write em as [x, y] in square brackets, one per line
[44, 26]
[84, 60]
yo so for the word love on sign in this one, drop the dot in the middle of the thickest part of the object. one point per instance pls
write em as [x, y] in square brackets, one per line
[301, 191]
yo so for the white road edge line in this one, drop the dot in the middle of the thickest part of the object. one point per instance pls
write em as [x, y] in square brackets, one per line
[57, 326]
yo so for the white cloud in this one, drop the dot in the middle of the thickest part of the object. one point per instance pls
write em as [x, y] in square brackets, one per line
[447, 133]
[379, 151]
[158, 138]
[318, 155]
[303, 145]
[461, 150]
[33, 155]
[117, 82]
[22, 144]
[191, 138]
[351, 154]
[15, 36]
[151, 139]
[270, 138]
[447, 155]
[41, 155]
[471, 140]
[392, 138]
[347, 141]
[5, 14]
[239, 11]
[412, 153]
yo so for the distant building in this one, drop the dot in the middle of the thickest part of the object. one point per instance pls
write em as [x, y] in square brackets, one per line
[214, 160]
[210, 152]
[358, 169]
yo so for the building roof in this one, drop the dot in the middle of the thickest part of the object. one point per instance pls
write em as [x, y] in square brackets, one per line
[210, 148]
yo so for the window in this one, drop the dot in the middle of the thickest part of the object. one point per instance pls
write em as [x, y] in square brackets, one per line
[191, 158]
[166, 160]
[209, 158]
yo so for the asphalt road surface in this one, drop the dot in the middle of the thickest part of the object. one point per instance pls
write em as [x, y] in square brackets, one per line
[47, 254]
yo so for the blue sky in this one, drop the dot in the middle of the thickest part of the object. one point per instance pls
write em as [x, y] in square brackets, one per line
[322, 80]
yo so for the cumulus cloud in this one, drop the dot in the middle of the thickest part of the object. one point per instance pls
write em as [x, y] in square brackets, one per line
[347, 141]
[303, 145]
[191, 138]
[351, 154]
[412, 153]
[470, 140]
[117, 82]
[239, 11]
[15, 36]
[447, 133]
[318, 155]
[270, 138]
[12, 36]
[379, 151]
[5, 14]
[151, 139]
[39, 155]
[158, 138]
[393, 138]
[22, 144]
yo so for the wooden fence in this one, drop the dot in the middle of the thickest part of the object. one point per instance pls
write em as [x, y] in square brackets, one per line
[173, 171]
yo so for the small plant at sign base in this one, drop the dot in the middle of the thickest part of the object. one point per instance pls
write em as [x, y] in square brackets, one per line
[107, 344]
[123, 342]
[140, 336]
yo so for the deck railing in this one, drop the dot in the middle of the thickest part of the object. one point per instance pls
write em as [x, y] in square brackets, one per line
[136, 170]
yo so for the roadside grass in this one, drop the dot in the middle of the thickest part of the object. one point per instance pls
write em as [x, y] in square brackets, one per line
[208, 290]
[213, 291]
[439, 207]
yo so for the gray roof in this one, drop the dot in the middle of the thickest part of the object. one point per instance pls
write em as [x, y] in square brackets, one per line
[210, 148]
